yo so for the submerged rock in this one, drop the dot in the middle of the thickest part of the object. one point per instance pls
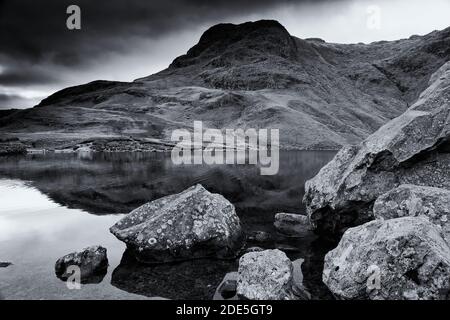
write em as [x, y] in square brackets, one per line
[293, 225]
[227, 289]
[287, 248]
[265, 275]
[259, 236]
[186, 280]
[298, 287]
[412, 200]
[192, 224]
[5, 264]
[92, 261]
[403, 258]
[411, 149]
[253, 249]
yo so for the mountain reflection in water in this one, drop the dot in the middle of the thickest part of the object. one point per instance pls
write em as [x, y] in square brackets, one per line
[101, 184]
[104, 183]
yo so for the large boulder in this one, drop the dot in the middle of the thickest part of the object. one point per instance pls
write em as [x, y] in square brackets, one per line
[91, 261]
[412, 200]
[411, 149]
[192, 224]
[292, 224]
[265, 275]
[402, 258]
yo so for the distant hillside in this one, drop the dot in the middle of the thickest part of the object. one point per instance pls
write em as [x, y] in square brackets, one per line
[320, 95]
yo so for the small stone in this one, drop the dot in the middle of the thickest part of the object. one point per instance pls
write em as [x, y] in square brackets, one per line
[293, 225]
[265, 275]
[91, 261]
[227, 289]
[259, 236]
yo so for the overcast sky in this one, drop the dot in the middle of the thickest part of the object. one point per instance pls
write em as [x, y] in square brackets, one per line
[127, 39]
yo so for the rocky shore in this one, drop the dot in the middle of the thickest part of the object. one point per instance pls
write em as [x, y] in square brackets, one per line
[184, 234]
[385, 203]
[410, 149]
[389, 200]
[123, 144]
[12, 147]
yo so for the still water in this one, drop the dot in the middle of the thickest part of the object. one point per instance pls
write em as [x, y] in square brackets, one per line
[53, 204]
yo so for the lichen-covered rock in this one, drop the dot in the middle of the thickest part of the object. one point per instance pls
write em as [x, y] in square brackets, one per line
[410, 149]
[265, 275]
[412, 200]
[92, 261]
[192, 224]
[293, 225]
[402, 258]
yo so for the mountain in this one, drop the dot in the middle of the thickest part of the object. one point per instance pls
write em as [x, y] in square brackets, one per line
[251, 75]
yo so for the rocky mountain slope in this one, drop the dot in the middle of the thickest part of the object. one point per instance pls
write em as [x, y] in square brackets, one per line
[252, 75]
[411, 149]
[389, 198]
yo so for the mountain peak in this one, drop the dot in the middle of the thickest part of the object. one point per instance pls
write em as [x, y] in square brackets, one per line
[225, 31]
[259, 37]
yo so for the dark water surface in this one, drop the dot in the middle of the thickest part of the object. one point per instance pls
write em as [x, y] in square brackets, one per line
[53, 204]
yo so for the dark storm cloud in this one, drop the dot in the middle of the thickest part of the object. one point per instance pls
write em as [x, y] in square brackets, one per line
[14, 101]
[23, 76]
[34, 32]
[4, 98]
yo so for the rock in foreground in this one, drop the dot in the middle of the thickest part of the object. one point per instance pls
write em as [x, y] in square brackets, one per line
[293, 225]
[411, 149]
[412, 200]
[92, 261]
[192, 224]
[398, 259]
[265, 275]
